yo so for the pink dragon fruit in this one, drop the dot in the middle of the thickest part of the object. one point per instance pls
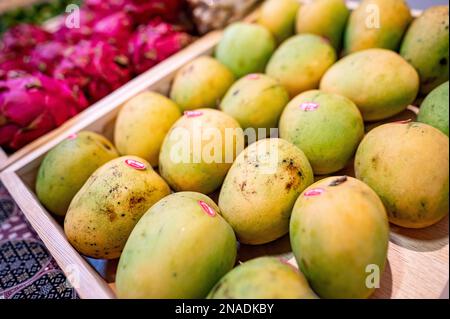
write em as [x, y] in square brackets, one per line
[45, 56]
[103, 7]
[96, 67]
[73, 34]
[116, 29]
[154, 43]
[143, 10]
[10, 61]
[22, 38]
[32, 105]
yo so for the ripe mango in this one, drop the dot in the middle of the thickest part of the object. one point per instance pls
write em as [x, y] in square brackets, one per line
[311, 122]
[199, 150]
[142, 124]
[380, 82]
[300, 62]
[201, 84]
[263, 278]
[278, 16]
[105, 210]
[256, 101]
[67, 167]
[339, 235]
[261, 188]
[179, 250]
[326, 18]
[426, 47]
[245, 48]
[435, 108]
[377, 24]
[408, 166]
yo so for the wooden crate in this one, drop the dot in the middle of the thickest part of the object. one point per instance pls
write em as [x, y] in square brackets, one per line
[418, 264]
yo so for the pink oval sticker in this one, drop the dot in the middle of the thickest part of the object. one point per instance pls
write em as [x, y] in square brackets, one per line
[193, 113]
[253, 76]
[135, 164]
[208, 209]
[286, 262]
[72, 136]
[404, 121]
[314, 192]
[309, 106]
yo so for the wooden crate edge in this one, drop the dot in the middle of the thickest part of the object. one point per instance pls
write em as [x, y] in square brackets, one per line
[85, 280]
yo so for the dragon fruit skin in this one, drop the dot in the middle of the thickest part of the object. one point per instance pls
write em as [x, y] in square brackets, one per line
[140, 10]
[45, 56]
[103, 7]
[143, 10]
[116, 29]
[74, 35]
[32, 105]
[96, 67]
[22, 38]
[10, 61]
[154, 43]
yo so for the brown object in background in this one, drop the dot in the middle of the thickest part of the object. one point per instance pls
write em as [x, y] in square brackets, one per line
[210, 15]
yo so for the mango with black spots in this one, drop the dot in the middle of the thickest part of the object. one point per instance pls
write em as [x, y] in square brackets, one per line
[263, 278]
[199, 150]
[66, 168]
[104, 212]
[377, 24]
[245, 48]
[339, 234]
[256, 102]
[143, 123]
[326, 18]
[261, 188]
[326, 127]
[300, 62]
[179, 250]
[201, 83]
[434, 110]
[380, 82]
[426, 47]
[278, 16]
[408, 166]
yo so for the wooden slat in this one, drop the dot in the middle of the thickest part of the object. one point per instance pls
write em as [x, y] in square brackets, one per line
[85, 280]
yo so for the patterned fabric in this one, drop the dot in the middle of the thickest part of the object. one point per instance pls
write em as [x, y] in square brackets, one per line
[27, 270]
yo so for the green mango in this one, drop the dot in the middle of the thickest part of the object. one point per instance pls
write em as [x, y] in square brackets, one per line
[339, 235]
[66, 168]
[278, 16]
[260, 190]
[263, 278]
[202, 83]
[434, 110]
[380, 82]
[104, 212]
[256, 101]
[408, 166]
[199, 149]
[310, 122]
[377, 24]
[327, 18]
[426, 46]
[245, 48]
[179, 250]
[300, 62]
[142, 125]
